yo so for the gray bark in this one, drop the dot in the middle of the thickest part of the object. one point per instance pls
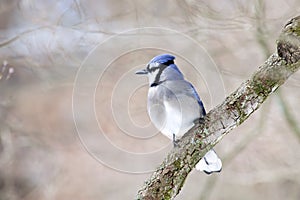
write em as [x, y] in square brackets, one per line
[167, 181]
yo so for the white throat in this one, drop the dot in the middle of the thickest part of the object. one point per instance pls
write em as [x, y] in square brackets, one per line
[153, 77]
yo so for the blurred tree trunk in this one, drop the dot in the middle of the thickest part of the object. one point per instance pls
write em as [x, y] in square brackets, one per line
[167, 181]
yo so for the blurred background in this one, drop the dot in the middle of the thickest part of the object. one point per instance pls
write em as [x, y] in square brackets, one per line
[73, 120]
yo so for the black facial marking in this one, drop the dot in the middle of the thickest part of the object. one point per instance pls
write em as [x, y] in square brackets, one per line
[154, 84]
[152, 69]
[169, 62]
[160, 67]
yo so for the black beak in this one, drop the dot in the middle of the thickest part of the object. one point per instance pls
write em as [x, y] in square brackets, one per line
[141, 72]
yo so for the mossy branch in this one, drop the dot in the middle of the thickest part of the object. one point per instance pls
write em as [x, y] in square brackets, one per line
[167, 181]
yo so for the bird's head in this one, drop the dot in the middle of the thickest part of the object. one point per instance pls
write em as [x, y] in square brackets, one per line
[160, 69]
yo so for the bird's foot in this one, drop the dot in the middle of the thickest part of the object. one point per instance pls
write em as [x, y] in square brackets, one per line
[175, 142]
[201, 120]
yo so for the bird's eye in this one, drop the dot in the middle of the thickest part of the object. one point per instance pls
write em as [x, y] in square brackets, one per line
[152, 67]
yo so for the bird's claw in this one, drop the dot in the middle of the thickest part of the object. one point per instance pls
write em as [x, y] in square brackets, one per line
[175, 142]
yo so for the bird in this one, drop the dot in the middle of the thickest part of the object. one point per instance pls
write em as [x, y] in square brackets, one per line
[173, 105]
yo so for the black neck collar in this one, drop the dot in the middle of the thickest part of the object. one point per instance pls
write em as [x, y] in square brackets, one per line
[156, 83]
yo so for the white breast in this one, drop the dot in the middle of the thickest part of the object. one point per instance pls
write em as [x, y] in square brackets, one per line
[171, 116]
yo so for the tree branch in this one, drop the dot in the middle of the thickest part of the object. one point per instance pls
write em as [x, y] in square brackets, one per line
[167, 181]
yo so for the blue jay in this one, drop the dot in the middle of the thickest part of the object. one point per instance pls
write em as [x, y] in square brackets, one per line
[173, 105]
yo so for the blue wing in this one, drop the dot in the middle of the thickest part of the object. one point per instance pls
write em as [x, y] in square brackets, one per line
[198, 99]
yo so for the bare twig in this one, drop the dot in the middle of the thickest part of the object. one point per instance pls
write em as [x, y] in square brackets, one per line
[167, 181]
[288, 115]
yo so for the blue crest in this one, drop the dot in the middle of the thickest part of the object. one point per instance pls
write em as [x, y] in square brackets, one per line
[162, 59]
